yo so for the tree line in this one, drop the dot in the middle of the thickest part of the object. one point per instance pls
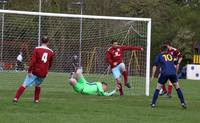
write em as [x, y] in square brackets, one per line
[175, 20]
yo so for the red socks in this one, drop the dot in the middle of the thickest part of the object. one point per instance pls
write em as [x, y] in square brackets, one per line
[125, 74]
[121, 88]
[37, 93]
[169, 89]
[164, 88]
[19, 92]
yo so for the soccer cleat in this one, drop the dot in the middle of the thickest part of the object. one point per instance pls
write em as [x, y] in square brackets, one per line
[128, 85]
[120, 89]
[183, 105]
[121, 93]
[163, 93]
[15, 100]
[169, 95]
[153, 105]
[71, 75]
[36, 101]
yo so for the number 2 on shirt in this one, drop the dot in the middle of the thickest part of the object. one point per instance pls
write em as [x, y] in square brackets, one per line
[44, 57]
[167, 57]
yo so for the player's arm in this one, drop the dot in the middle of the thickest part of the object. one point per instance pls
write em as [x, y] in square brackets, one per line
[102, 93]
[125, 48]
[112, 92]
[178, 64]
[155, 64]
[100, 90]
[33, 61]
[108, 58]
[180, 58]
[51, 61]
[153, 72]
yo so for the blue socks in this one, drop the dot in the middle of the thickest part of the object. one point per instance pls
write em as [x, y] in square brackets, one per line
[180, 95]
[155, 96]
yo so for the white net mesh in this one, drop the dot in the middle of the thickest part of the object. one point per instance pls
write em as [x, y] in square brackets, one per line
[21, 34]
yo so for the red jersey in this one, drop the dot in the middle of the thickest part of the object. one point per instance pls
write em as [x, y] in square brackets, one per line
[41, 61]
[175, 53]
[115, 54]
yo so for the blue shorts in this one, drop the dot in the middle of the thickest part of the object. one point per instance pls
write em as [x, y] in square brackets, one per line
[164, 78]
[117, 70]
[32, 79]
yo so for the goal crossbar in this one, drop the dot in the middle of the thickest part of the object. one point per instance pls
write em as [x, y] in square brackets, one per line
[73, 15]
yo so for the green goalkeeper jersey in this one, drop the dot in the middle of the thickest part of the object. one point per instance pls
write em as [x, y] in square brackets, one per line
[90, 88]
[93, 88]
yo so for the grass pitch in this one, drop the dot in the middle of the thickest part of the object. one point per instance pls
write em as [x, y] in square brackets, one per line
[60, 104]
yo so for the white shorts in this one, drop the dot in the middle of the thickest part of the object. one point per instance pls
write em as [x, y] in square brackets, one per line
[117, 70]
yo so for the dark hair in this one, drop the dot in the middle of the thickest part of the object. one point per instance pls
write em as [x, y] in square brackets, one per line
[113, 41]
[164, 48]
[167, 42]
[104, 83]
[45, 39]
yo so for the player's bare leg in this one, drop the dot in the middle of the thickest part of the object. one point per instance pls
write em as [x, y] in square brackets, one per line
[19, 92]
[125, 75]
[76, 76]
[180, 95]
[169, 92]
[156, 94]
[120, 87]
[163, 91]
[37, 94]
[75, 62]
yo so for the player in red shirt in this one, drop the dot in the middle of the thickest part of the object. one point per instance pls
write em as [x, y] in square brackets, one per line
[178, 57]
[40, 63]
[114, 56]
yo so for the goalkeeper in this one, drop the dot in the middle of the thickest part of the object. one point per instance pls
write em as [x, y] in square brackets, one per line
[80, 85]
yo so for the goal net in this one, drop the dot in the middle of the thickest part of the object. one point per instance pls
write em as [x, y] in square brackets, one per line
[87, 37]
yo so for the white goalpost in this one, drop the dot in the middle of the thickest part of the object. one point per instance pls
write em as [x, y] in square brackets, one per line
[20, 32]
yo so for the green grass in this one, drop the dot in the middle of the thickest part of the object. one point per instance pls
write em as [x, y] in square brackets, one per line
[60, 104]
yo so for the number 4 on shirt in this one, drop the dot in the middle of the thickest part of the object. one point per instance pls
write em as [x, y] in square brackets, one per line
[44, 57]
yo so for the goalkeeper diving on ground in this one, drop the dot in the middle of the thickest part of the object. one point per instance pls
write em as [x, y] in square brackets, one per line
[80, 85]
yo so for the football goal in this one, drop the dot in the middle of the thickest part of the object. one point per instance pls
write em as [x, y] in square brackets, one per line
[86, 36]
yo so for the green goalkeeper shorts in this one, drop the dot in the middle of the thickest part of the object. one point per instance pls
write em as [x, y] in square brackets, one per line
[80, 85]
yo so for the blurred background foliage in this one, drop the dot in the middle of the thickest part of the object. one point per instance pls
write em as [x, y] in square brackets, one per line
[175, 20]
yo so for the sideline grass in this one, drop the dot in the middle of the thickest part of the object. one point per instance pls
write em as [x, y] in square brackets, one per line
[60, 104]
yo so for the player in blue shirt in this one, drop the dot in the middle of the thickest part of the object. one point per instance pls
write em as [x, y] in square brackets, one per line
[168, 72]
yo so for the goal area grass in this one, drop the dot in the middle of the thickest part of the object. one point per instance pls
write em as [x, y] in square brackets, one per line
[61, 104]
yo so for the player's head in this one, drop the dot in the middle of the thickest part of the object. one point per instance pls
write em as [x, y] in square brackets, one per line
[114, 43]
[20, 53]
[45, 40]
[104, 86]
[168, 44]
[164, 48]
